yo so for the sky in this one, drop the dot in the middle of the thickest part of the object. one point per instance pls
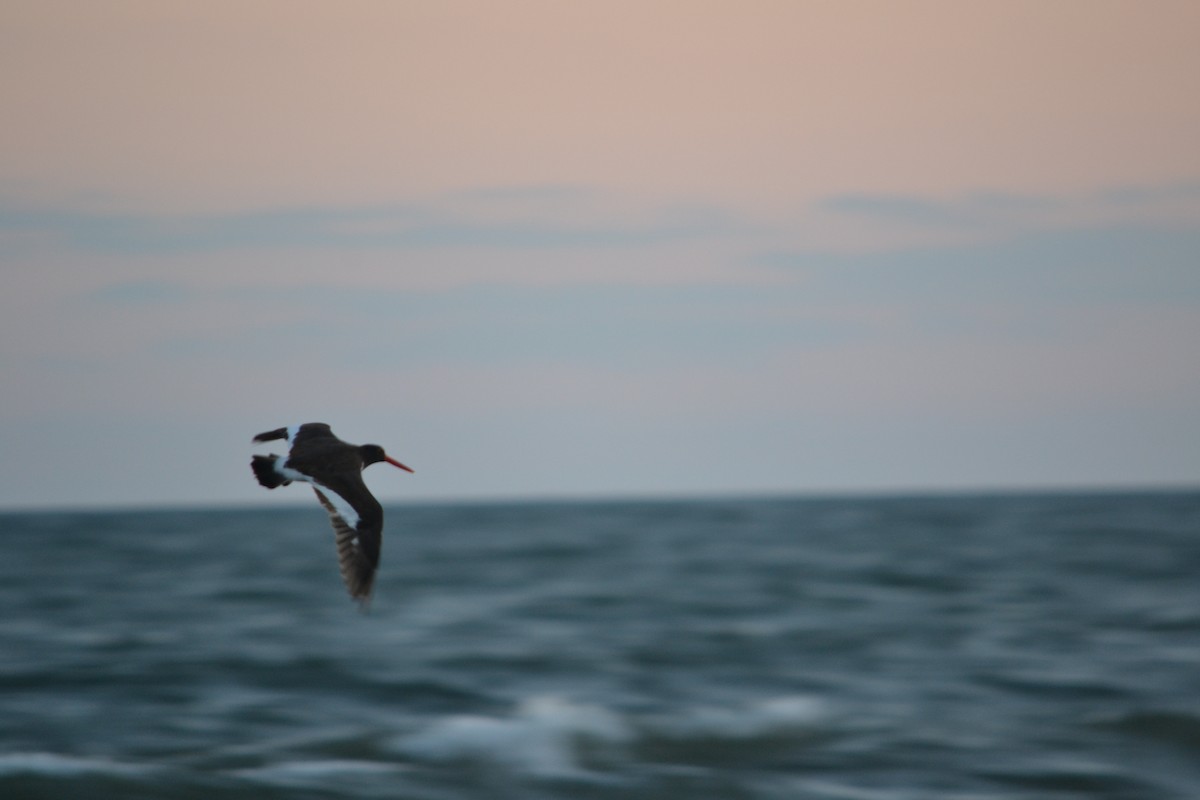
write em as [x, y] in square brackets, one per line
[540, 249]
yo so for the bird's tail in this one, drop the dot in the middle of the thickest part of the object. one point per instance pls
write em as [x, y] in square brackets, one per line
[269, 436]
[264, 470]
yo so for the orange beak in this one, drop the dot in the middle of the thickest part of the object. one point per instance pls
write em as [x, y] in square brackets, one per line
[396, 463]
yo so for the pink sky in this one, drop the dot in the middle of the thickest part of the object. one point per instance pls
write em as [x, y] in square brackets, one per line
[218, 106]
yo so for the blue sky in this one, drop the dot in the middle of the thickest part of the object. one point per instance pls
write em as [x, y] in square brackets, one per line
[831, 302]
[1027, 357]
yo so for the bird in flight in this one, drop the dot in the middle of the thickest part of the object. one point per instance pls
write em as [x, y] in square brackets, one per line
[334, 468]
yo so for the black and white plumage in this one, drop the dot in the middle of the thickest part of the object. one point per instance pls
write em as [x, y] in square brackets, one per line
[334, 468]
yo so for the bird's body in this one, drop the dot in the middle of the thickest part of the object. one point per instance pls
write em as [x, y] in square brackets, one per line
[334, 468]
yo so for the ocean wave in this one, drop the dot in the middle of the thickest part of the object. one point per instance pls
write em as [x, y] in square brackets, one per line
[755, 719]
[544, 735]
[552, 736]
[1178, 728]
[311, 773]
[63, 766]
[821, 649]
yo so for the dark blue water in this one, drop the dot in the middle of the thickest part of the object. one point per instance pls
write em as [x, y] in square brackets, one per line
[882, 649]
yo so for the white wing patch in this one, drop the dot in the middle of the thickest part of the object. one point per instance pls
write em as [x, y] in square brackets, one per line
[344, 509]
[288, 473]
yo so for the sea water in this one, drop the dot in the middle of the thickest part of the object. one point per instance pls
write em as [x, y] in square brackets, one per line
[902, 648]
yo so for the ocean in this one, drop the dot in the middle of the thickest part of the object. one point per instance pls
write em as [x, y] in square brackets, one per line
[843, 648]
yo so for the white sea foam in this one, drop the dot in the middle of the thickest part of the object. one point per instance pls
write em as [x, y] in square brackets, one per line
[545, 735]
[757, 718]
[315, 772]
[542, 736]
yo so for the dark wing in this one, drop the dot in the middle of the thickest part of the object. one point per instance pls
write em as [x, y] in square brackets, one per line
[357, 547]
[270, 436]
[308, 430]
[312, 433]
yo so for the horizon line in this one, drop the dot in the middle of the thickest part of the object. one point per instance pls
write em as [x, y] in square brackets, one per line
[689, 496]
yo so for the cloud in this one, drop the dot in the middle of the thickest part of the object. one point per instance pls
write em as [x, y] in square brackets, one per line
[999, 211]
[1088, 265]
[1185, 191]
[627, 328]
[545, 225]
[1019, 287]
[1038, 290]
[972, 210]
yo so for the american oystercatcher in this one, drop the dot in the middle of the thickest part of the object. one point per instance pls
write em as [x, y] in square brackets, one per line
[334, 468]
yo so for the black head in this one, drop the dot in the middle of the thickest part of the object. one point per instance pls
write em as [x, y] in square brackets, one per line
[373, 454]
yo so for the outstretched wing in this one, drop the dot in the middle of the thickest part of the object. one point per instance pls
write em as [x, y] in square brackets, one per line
[297, 433]
[358, 539]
